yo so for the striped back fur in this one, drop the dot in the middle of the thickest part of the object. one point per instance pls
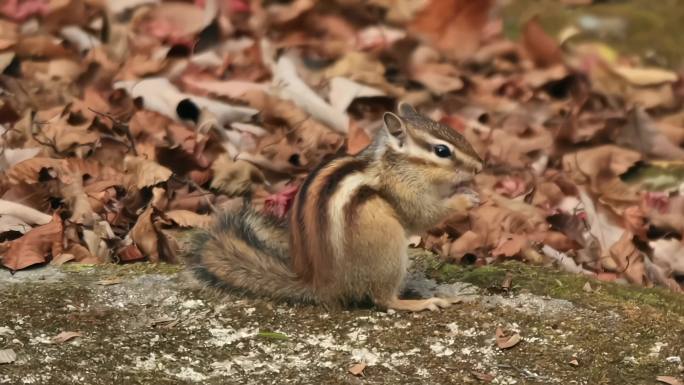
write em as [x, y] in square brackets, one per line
[310, 220]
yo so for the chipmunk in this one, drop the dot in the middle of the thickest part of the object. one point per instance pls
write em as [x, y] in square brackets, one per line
[346, 239]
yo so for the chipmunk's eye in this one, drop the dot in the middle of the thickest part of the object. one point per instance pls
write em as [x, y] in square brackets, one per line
[442, 151]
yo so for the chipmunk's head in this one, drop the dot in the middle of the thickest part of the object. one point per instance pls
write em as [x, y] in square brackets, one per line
[443, 157]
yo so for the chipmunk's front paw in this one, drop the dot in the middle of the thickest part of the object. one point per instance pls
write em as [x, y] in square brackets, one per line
[472, 198]
[464, 200]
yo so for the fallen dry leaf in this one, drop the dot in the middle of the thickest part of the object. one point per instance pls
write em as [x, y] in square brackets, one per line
[145, 173]
[145, 236]
[357, 369]
[505, 342]
[646, 76]
[641, 134]
[468, 242]
[61, 259]
[628, 259]
[669, 380]
[20, 10]
[65, 336]
[186, 218]
[357, 139]
[36, 246]
[541, 47]
[24, 213]
[130, 253]
[454, 26]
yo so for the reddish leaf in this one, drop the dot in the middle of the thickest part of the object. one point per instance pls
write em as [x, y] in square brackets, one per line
[357, 139]
[357, 369]
[130, 253]
[279, 204]
[542, 48]
[20, 10]
[36, 246]
[454, 26]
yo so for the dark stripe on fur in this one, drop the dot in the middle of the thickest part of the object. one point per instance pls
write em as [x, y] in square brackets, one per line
[301, 261]
[422, 143]
[304, 190]
[441, 131]
[361, 196]
[244, 226]
[332, 183]
[392, 157]
[209, 279]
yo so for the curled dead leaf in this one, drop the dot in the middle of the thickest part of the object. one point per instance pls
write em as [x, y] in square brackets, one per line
[505, 342]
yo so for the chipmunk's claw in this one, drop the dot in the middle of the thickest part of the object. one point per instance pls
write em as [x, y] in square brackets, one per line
[464, 200]
[472, 198]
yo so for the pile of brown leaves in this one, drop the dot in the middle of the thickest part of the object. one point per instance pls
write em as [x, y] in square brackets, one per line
[122, 119]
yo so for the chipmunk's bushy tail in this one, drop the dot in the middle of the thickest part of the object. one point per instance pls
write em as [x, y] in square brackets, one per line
[248, 252]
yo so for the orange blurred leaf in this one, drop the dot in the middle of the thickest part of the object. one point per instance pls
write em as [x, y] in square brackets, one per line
[35, 246]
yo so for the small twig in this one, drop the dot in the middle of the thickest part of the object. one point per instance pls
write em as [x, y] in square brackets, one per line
[204, 193]
[49, 143]
[121, 125]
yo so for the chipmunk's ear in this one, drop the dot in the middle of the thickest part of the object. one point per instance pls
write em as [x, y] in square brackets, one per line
[394, 126]
[406, 109]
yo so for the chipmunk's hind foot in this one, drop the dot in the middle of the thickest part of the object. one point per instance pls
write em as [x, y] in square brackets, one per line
[416, 305]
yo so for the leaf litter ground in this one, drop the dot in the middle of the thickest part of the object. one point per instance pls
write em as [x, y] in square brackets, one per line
[121, 121]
